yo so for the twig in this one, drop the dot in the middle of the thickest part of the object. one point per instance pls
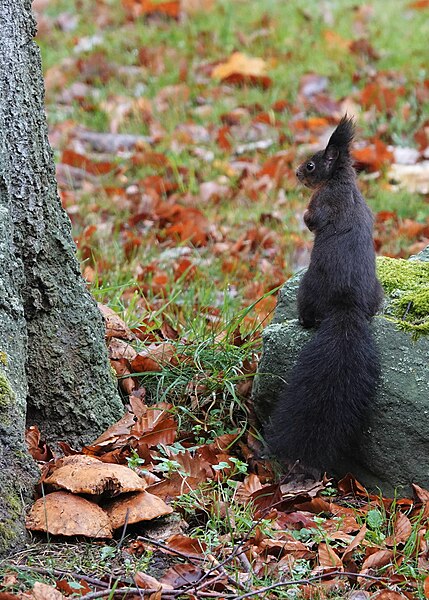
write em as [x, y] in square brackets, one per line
[217, 565]
[189, 557]
[245, 562]
[60, 573]
[165, 593]
[307, 581]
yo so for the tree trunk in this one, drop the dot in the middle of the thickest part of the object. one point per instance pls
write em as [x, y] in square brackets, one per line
[52, 351]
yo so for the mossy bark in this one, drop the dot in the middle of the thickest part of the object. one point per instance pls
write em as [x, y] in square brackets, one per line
[52, 334]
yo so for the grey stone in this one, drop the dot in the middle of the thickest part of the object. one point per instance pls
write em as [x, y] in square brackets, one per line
[393, 451]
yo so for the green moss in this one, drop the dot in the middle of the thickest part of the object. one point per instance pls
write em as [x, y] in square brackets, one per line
[11, 520]
[407, 285]
[6, 393]
[3, 358]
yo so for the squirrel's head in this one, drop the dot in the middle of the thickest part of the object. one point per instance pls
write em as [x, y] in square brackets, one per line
[321, 166]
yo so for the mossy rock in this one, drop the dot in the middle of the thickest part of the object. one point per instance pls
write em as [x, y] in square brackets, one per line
[393, 451]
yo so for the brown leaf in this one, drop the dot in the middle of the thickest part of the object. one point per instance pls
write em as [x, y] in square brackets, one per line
[153, 358]
[69, 157]
[39, 450]
[138, 8]
[156, 426]
[147, 582]
[328, 557]
[81, 474]
[64, 587]
[354, 543]
[388, 595]
[141, 506]
[421, 493]
[175, 486]
[383, 98]
[121, 349]
[61, 513]
[43, 591]
[191, 546]
[378, 559]
[245, 489]
[115, 431]
[426, 586]
[181, 574]
[115, 326]
[402, 530]
[419, 4]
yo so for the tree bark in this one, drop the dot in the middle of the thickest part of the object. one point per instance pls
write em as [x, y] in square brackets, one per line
[52, 334]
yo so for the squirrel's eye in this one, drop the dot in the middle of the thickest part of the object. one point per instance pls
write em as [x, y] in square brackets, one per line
[310, 166]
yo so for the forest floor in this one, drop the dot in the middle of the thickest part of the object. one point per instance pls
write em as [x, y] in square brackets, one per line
[177, 128]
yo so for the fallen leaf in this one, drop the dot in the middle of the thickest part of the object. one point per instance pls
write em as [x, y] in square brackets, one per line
[181, 574]
[138, 8]
[153, 357]
[388, 595]
[38, 449]
[354, 543]
[419, 4]
[74, 159]
[61, 513]
[241, 68]
[115, 326]
[191, 7]
[121, 349]
[43, 591]
[328, 557]
[378, 559]
[147, 582]
[64, 587]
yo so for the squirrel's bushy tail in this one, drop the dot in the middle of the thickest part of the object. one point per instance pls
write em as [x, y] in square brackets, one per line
[324, 403]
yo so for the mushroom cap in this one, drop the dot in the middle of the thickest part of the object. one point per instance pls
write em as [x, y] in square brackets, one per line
[82, 474]
[141, 506]
[61, 513]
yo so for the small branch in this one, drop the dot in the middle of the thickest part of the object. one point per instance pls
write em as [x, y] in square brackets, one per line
[189, 557]
[59, 573]
[308, 581]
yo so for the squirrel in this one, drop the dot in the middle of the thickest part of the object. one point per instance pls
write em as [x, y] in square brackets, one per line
[322, 408]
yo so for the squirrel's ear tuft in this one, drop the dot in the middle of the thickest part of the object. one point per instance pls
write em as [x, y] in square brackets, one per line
[343, 135]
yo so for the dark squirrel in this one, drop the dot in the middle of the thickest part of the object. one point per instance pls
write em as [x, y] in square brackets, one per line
[321, 411]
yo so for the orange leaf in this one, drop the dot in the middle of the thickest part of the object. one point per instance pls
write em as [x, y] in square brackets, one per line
[335, 41]
[419, 4]
[388, 595]
[75, 159]
[354, 543]
[241, 69]
[138, 8]
[153, 358]
[328, 557]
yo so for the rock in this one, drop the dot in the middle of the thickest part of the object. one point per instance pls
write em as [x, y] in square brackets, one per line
[393, 451]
